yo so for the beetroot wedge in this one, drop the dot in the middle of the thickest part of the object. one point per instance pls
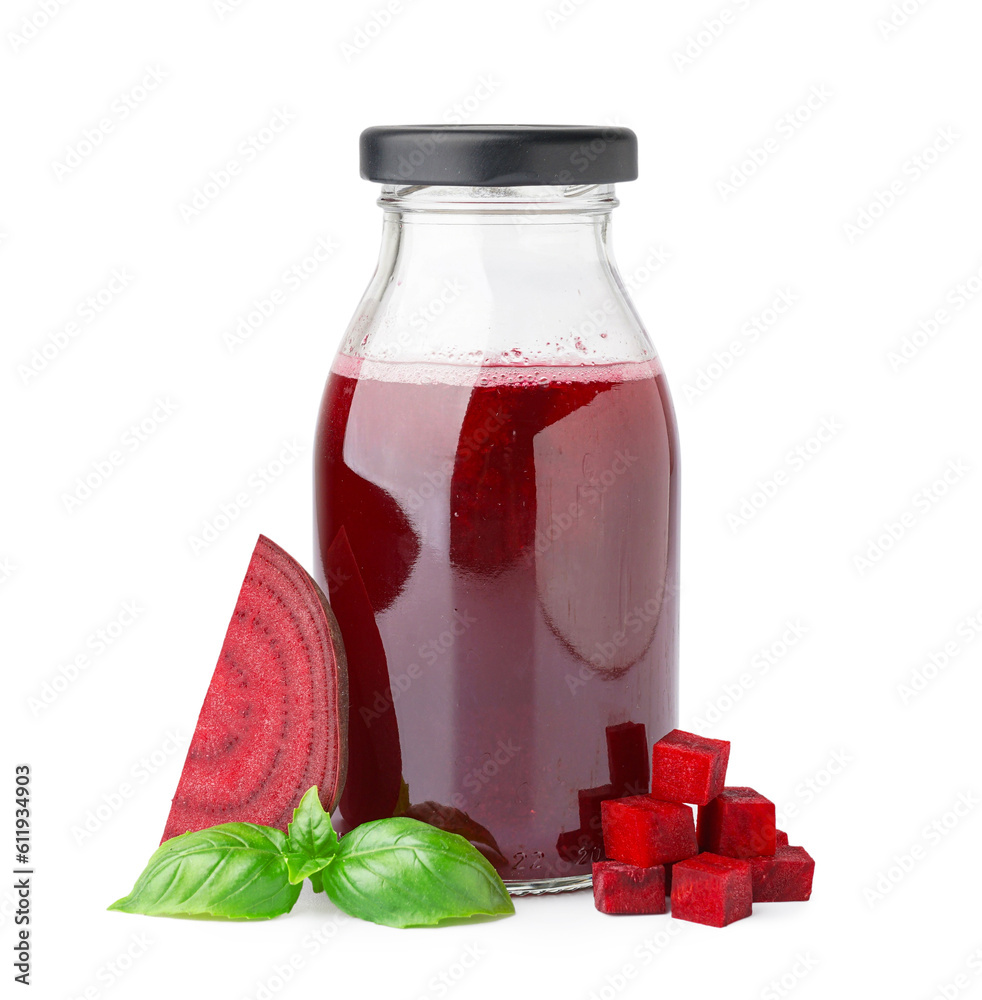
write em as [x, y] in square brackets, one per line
[275, 716]
[375, 777]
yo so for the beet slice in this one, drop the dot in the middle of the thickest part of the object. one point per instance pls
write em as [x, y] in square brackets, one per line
[274, 719]
[622, 888]
[375, 753]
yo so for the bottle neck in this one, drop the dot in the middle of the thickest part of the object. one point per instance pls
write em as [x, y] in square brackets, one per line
[560, 203]
[496, 276]
[502, 235]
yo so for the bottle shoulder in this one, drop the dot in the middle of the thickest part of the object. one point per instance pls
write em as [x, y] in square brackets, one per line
[467, 317]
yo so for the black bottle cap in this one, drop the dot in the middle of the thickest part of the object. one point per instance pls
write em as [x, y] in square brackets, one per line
[498, 155]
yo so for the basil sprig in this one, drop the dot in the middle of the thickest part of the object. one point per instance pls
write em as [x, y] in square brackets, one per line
[398, 872]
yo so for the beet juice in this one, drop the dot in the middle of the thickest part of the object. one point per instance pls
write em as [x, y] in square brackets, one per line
[496, 526]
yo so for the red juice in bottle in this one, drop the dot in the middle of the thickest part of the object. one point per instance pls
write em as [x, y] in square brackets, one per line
[500, 547]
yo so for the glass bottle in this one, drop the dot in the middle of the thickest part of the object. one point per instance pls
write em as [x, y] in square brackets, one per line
[496, 492]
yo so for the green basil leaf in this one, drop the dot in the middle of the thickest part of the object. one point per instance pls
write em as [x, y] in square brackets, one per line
[312, 842]
[235, 870]
[316, 881]
[405, 873]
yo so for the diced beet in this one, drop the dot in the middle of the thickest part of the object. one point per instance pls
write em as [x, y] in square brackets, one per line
[274, 719]
[710, 889]
[780, 839]
[580, 847]
[785, 877]
[644, 831]
[622, 888]
[627, 758]
[589, 800]
[739, 823]
[688, 768]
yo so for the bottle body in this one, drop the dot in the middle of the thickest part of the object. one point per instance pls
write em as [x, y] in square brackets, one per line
[496, 514]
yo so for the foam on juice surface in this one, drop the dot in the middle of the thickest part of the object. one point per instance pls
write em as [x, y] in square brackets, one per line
[487, 376]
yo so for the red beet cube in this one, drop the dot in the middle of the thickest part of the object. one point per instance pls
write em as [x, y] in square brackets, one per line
[645, 831]
[589, 802]
[580, 847]
[627, 758]
[688, 768]
[783, 878]
[738, 823]
[780, 839]
[621, 888]
[710, 889]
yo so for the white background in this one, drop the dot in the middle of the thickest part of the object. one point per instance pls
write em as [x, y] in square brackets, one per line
[826, 730]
